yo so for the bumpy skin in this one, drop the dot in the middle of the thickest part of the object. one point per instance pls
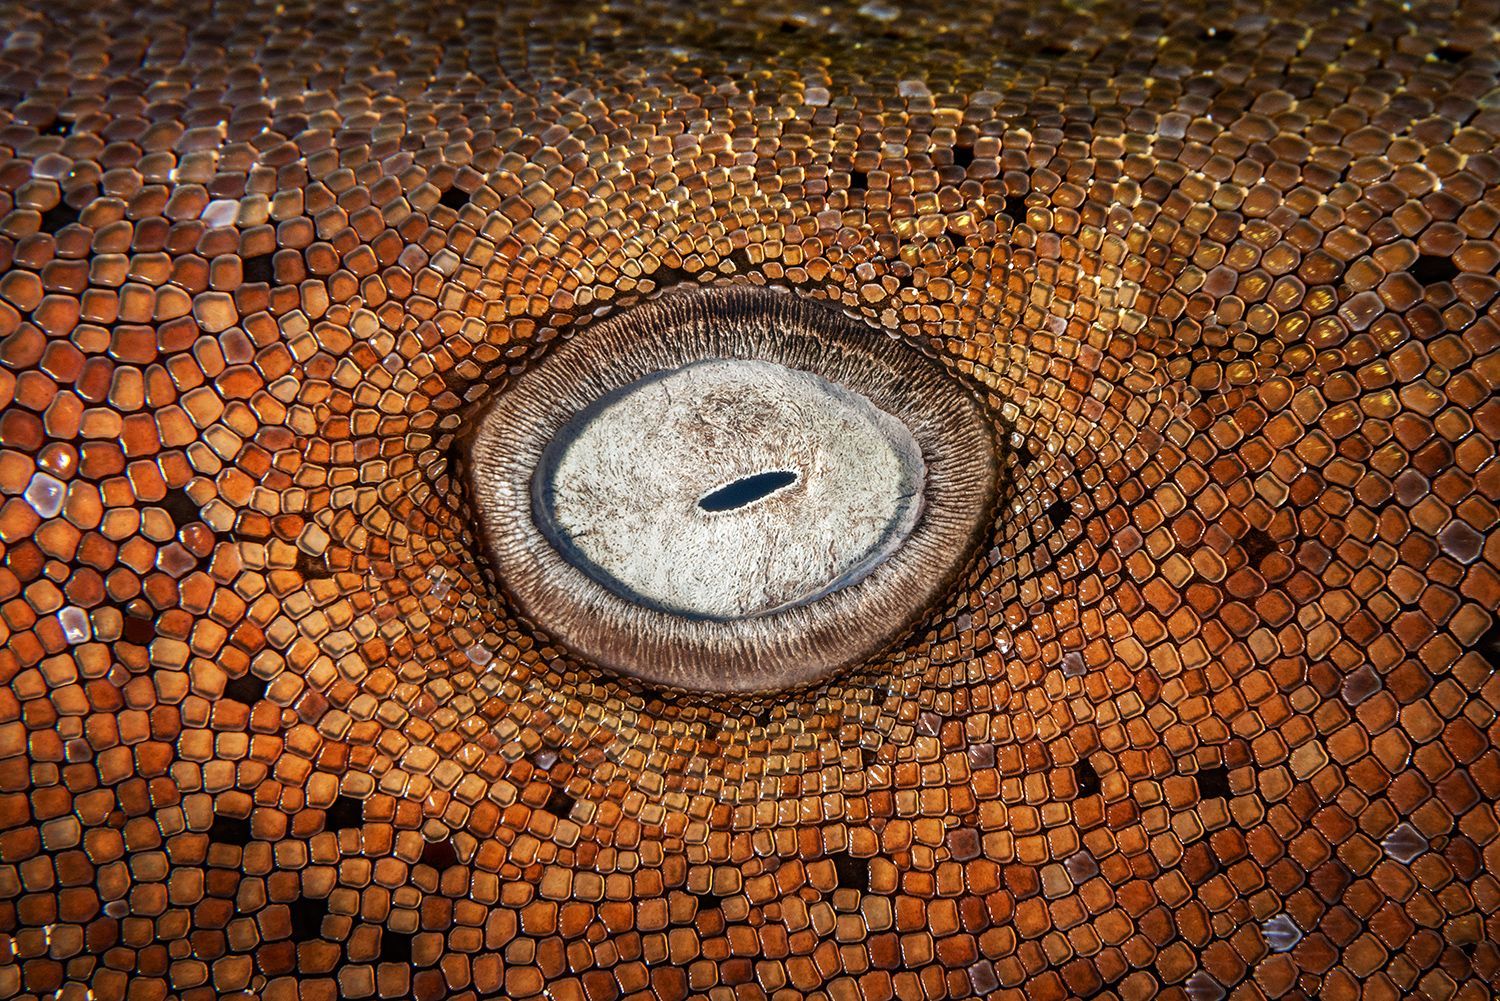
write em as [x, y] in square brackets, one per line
[1211, 715]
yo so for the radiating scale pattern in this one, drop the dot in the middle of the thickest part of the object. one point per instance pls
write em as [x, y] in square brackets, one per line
[1212, 715]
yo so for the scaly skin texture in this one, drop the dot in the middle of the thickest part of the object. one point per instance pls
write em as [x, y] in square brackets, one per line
[1212, 713]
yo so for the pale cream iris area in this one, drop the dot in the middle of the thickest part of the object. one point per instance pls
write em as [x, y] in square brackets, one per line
[619, 491]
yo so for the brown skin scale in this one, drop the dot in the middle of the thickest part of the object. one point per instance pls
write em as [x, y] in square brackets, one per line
[1212, 715]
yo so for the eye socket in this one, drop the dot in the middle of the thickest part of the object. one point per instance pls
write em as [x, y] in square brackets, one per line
[731, 489]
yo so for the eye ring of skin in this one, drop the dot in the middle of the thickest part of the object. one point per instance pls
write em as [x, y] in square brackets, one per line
[785, 646]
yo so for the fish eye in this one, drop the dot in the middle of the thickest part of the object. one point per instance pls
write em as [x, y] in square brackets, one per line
[731, 489]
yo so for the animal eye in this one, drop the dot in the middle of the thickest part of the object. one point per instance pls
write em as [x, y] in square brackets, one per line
[731, 489]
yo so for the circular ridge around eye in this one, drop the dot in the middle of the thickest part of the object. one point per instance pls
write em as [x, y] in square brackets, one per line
[783, 645]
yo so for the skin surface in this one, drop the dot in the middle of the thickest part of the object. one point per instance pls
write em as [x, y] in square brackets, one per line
[1211, 715]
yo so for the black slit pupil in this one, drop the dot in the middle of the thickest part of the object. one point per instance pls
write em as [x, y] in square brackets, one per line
[746, 490]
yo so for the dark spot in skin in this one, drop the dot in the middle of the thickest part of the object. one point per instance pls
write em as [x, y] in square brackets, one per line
[58, 127]
[179, 507]
[1058, 512]
[1087, 778]
[667, 277]
[455, 458]
[439, 854]
[1257, 544]
[60, 215]
[1449, 54]
[138, 627]
[651, 694]
[852, 873]
[708, 901]
[1216, 36]
[1213, 783]
[1015, 207]
[1488, 644]
[230, 830]
[395, 947]
[559, 803]
[454, 198]
[307, 917]
[312, 567]
[344, 812]
[1432, 269]
[257, 269]
[246, 689]
[859, 180]
[963, 156]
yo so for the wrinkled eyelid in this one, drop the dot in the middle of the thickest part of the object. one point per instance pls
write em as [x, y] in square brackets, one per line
[598, 456]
